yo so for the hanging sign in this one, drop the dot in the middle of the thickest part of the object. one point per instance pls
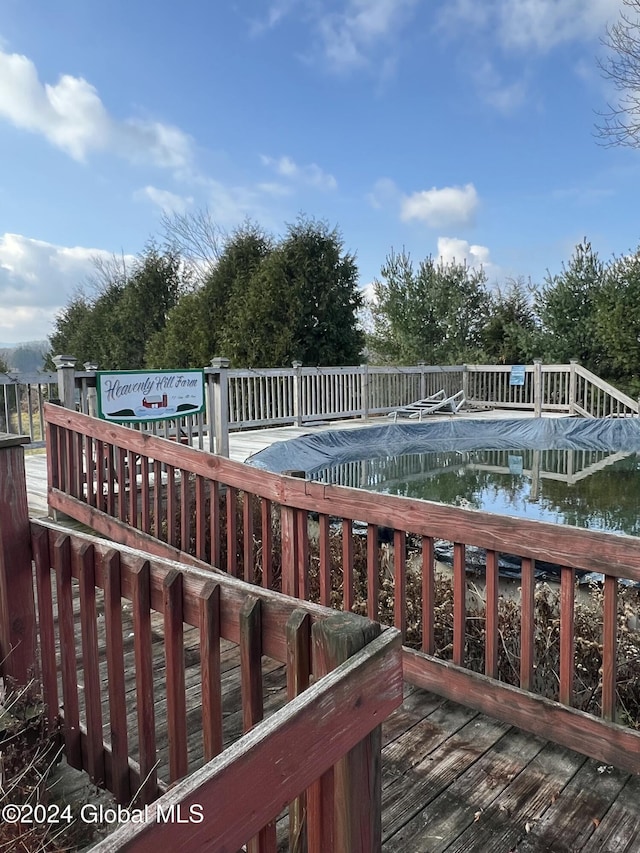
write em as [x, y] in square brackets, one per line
[517, 374]
[149, 395]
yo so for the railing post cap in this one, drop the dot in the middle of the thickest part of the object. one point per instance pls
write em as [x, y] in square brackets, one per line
[64, 361]
[296, 364]
[7, 440]
[574, 361]
[537, 361]
[90, 365]
[220, 362]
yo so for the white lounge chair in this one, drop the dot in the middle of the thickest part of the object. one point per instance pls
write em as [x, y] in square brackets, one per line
[451, 405]
[413, 409]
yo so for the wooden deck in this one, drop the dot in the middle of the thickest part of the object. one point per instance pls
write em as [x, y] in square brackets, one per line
[453, 779]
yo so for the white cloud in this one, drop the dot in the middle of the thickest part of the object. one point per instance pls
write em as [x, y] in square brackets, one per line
[275, 189]
[501, 96]
[276, 12]
[369, 293]
[452, 249]
[546, 23]
[167, 201]
[340, 45]
[311, 175]
[384, 194]
[229, 205]
[349, 35]
[438, 208]
[347, 32]
[36, 281]
[72, 117]
[526, 24]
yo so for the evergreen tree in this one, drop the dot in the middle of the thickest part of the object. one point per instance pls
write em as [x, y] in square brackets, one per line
[301, 304]
[618, 322]
[566, 305]
[113, 326]
[435, 313]
[198, 328]
[155, 285]
[74, 333]
[183, 342]
[511, 333]
[260, 304]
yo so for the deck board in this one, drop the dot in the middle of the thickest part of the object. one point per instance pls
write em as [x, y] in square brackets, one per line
[573, 818]
[463, 803]
[425, 781]
[617, 832]
[503, 825]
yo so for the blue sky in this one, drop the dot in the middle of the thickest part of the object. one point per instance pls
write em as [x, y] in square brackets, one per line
[457, 128]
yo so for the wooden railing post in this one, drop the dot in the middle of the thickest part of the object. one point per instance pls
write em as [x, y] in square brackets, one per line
[465, 381]
[298, 678]
[65, 365]
[364, 390]
[537, 387]
[357, 779]
[297, 392]
[17, 606]
[572, 385]
[221, 404]
[423, 380]
[92, 391]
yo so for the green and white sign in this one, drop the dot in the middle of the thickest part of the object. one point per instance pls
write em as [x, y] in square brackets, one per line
[149, 395]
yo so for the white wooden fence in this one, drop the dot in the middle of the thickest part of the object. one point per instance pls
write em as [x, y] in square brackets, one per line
[250, 399]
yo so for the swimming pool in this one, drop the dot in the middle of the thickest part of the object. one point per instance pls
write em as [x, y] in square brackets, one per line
[580, 472]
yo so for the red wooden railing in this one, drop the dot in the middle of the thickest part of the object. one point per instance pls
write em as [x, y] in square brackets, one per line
[93, 467]
[138, 688]
[300, 748]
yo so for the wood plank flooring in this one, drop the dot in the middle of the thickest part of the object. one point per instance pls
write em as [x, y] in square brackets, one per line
[454, 781]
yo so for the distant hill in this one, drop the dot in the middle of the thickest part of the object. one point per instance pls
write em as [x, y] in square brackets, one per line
[27, 357]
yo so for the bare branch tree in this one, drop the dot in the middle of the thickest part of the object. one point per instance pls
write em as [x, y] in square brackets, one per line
[196, 236]
[620, 125]
[108, 271]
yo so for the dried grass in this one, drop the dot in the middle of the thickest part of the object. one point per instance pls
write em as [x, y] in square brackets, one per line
[29, 753]
[588, 615]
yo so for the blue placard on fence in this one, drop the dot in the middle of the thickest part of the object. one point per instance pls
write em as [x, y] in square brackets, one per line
[517, 375]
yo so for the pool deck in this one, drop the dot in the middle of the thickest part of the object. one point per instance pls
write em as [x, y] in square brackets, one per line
[453, 779]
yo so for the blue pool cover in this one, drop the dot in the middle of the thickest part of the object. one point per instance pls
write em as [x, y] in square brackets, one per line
[318, 450]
